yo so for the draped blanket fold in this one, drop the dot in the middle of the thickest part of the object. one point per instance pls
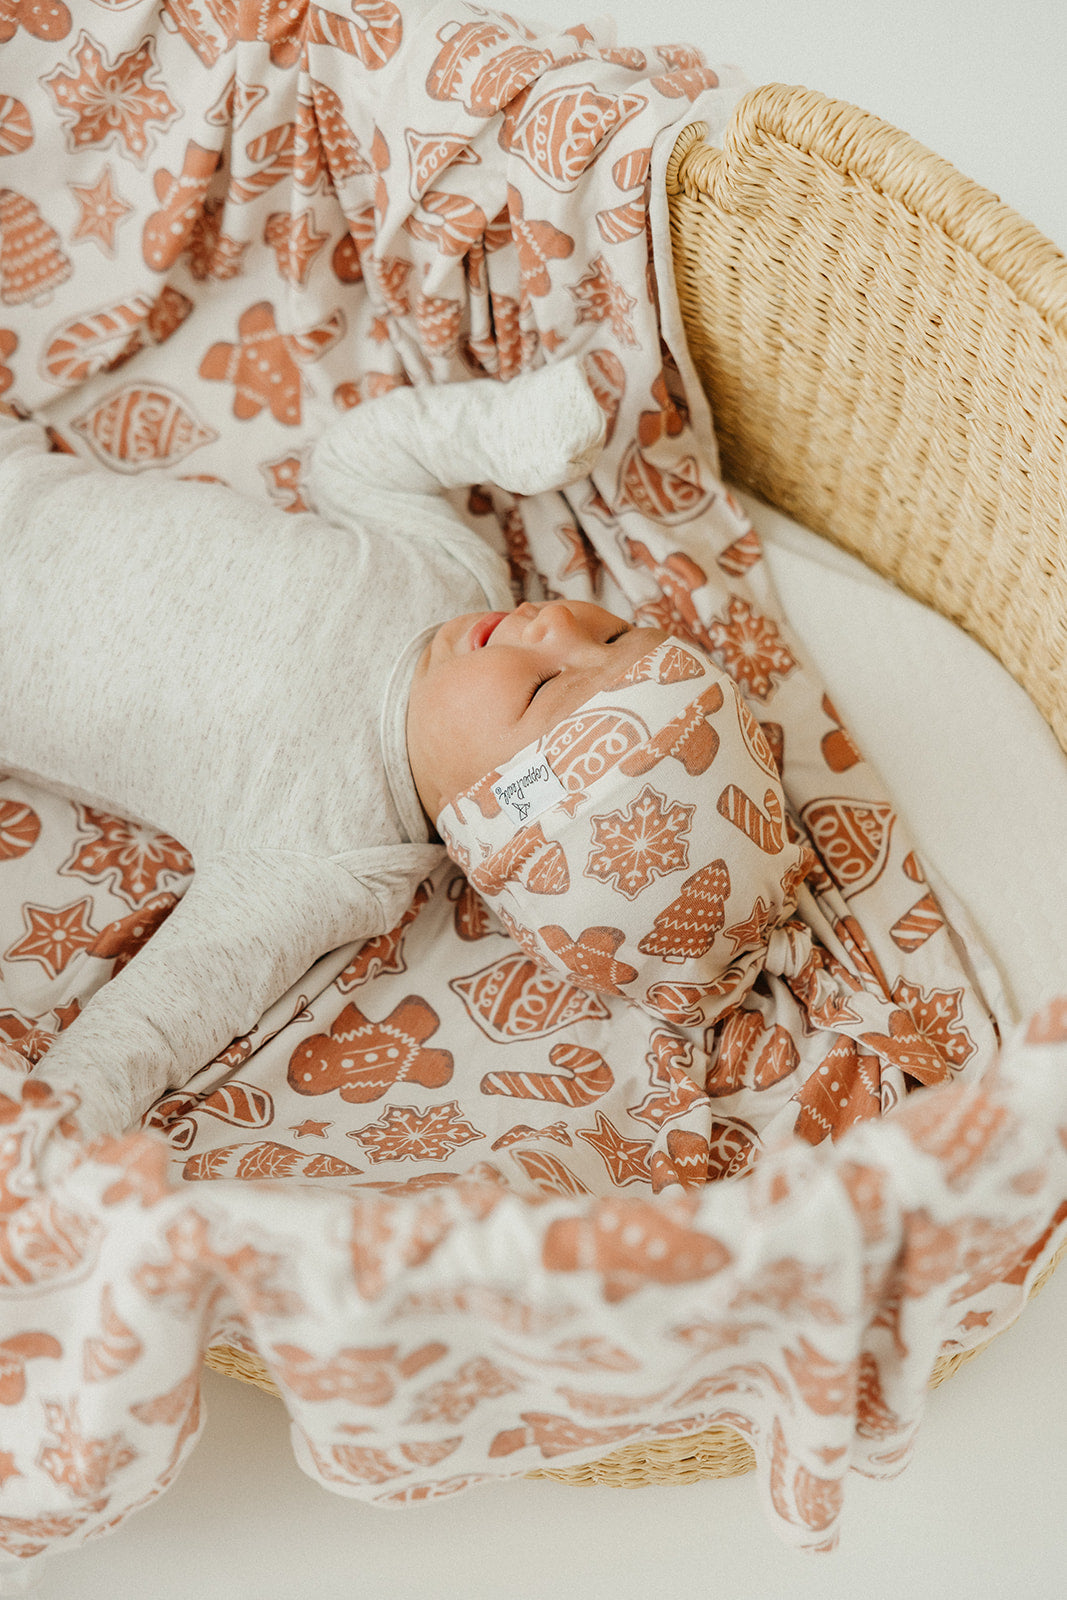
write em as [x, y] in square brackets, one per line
[490, 1231]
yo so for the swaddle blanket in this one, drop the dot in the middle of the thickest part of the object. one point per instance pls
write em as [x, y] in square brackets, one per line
[464, 1209]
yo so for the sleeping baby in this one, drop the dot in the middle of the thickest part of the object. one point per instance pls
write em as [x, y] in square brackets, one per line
[316, 706]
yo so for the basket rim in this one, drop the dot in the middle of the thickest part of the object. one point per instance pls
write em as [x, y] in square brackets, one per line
[858, 142]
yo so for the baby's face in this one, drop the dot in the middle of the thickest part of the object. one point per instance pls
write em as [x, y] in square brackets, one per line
[491, 682]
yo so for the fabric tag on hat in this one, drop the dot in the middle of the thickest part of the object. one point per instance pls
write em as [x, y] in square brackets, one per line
[526, 788]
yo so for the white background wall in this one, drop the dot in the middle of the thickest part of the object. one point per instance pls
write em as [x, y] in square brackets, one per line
[980, 1512]
[982, 82]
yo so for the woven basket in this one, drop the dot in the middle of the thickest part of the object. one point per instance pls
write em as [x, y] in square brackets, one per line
[884, 345]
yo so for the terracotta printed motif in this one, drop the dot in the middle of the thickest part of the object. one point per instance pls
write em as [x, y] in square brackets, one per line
[105, 338]
[32, 260]
[581, 1076]
[104, 102]
[515, 997]
[852, 837]
[264, 366]
[691, 738]
[634, 846]
[20, 828]
[564, 130]
[362, 1060]
[687, 927]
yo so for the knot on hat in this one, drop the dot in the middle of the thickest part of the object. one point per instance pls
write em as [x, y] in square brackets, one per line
[641, 848]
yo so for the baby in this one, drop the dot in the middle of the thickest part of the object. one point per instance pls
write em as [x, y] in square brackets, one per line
[296, 698]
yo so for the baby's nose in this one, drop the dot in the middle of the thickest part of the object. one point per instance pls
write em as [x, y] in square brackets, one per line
[553, 620]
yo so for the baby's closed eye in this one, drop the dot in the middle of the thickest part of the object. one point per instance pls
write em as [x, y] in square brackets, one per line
[543, 678]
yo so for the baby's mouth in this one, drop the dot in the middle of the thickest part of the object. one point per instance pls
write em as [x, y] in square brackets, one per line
[483, 629]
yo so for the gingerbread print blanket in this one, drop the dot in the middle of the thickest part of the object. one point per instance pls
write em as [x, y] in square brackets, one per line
[488, 1231]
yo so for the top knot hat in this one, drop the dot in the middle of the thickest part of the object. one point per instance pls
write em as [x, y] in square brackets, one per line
[640, 848]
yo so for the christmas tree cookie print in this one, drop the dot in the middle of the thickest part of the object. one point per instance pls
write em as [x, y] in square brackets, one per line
[32, 260]
[687, 927]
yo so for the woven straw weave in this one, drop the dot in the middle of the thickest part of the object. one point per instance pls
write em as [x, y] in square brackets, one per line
[884, 345]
